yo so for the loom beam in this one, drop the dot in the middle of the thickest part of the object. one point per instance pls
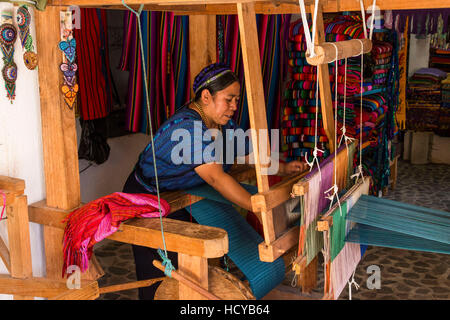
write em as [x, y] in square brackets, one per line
[326, 52]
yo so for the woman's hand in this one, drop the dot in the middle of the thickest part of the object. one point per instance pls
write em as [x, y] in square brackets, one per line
[226, 185]
[293, 167]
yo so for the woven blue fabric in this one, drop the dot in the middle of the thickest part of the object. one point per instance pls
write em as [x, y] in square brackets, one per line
[373, 236]
[403, 218]
[243, 239]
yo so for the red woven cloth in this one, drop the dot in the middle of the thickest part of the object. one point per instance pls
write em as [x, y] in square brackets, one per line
[100, 218]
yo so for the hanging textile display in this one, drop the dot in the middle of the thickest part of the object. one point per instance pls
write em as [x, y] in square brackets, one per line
[68, 67]
[165, 42]
[422, 22]
[8, 35]
[23, 22]
[377, 90]
[92, 67]
[272, 32]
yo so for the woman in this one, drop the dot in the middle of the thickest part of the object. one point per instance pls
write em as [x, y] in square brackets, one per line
[216, 90]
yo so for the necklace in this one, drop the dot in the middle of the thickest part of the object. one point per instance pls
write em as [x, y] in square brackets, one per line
[203, 116]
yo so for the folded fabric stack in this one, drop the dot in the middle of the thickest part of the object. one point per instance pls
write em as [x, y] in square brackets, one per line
[347, 27]
[373, 128]
[381, 54]
[373, 114]
[444, 115]
[344, 27]
[440, 59]
[424, 99]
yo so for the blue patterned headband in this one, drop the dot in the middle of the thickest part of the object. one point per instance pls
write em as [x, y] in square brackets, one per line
[208, 80]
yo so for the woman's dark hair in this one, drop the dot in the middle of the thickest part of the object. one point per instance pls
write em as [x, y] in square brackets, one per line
[225, 77]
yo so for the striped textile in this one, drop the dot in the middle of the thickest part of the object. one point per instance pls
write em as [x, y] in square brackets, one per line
[100, 218]
[272, 33]
[94, 75]
[165, 42]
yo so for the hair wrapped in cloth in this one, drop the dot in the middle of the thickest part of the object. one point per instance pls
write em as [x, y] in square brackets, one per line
[100, 218]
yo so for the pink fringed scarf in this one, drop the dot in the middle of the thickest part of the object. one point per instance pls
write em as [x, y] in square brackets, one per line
[100, 218]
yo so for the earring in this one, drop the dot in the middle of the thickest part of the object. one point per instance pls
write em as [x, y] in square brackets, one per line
[8, 35]
[23, 21]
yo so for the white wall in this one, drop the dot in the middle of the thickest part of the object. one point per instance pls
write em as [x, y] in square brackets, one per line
[21, 153]
[419, 53]
[100, 180]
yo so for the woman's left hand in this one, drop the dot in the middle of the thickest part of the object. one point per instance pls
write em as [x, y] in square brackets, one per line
[294, 167]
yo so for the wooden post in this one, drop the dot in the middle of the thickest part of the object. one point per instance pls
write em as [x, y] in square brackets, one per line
[196, 269]
[324, 83]
[256, 102]
[19, 242]
[59, 136]
[202, 43]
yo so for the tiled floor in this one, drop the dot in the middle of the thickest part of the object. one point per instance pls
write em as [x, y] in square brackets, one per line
[405, 274]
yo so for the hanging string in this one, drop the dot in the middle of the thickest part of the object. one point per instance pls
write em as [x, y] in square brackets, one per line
[359, 169]
[166, 261]
[326, 257]
[350, 286]
[372, 19]
[308, 37]
[335, 188]
[316, 150]
[344, 137]
[363, 14]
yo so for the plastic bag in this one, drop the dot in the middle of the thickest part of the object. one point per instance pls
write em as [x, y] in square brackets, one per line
[93, 145]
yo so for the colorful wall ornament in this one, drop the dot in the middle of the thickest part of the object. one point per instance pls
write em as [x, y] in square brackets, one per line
[8, 35]
[68, 67]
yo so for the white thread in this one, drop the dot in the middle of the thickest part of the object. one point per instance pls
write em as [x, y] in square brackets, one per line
[373, 19]
[326, 258]
[335, 188]
[363, 14]
[344, 137]
[360, 171]
[315, 159]
[316, 6]
[350, 286]
[309, 41]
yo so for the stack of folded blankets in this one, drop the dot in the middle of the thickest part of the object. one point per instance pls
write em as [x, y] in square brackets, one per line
[440, 59]
[373, 115]
[373, 128]
[299, 112]
[444, 114]
[381, 54]
[424, 99]
[340, 28]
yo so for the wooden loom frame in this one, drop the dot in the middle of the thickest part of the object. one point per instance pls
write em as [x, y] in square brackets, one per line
[60, 141]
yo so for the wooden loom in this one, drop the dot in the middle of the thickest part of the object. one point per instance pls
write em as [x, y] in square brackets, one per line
[195, 244]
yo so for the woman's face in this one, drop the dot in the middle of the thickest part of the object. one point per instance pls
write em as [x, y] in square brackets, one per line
[224, 103]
